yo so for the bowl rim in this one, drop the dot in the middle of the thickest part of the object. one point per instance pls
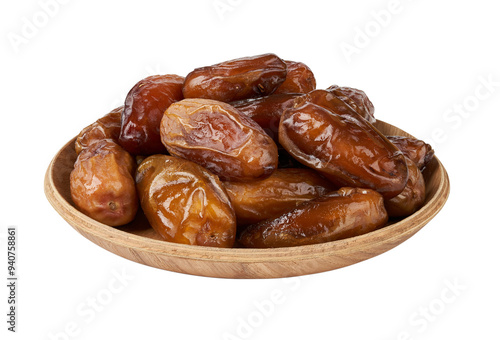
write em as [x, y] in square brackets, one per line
[247, 255]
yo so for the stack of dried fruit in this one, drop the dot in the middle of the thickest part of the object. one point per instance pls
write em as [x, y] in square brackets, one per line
[248, 152]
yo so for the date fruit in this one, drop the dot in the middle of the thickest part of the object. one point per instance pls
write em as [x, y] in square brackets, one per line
[329, 101]
[107, 127]
[357, 100]
[347, 150]
[101, 183]
[412, 197]
[345, 213]
[281, 192]
[185, 203]
[299, 78]
[144, 107]
[217, 136]
[267, 111]
[236, 79]
[415, 149]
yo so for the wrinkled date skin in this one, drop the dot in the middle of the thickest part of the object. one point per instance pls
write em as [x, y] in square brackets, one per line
[415, 149]
[345, 213]
[283, 191]
[185, 203]
[357, 100]
[329, 101]
[144, 107]
[102, 184]
[236, 79]
[267, 111]
[346, 150]
[299, 78]
[215, 135]
[107, 127]
[412, 197]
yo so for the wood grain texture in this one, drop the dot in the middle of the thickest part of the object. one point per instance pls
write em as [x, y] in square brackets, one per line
[138, 242]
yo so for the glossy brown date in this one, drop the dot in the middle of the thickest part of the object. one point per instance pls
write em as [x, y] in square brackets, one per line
[328, 100]
[267, 111]
[279, 193]
[347, 150]
[299, 78]
[345, 213]
[144, 107]
[357, 100]
[185, 203]
[101, 183]
[415, 149]
[215, 135]
[412, 197]
[107, 127]
[236, 79]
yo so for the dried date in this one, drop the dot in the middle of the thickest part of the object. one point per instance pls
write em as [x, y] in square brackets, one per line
[347, 150]
[236, 79]
[337, 215]
[267, 111]
[281, 192]
[102, 184]
[299, 79]
[217, 136]
[413, 195]
[185, 203]
[415, 149]
[144, 107]
[107, 127]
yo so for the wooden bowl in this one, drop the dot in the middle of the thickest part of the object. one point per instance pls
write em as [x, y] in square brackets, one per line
[138, 242]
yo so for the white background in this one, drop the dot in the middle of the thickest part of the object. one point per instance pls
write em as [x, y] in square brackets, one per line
[66, 64]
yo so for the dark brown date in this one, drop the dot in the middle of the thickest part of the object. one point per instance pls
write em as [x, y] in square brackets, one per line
[345, 213]
[357, 100]
[346, 149]
[236, 79]
[283, 191]
[144, 107]
[217, 136]
[412, 197]
[299, 78]
[267, 111]
[101, 183]
[107, 127]
[415, 149]
[185, 203]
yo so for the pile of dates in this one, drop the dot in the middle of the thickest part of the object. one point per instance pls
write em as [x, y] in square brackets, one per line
[247, 153]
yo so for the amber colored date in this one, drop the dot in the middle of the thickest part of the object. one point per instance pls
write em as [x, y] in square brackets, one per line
[144, 107]
[279, 193]
[413, 195]
[101, 183]
[347, 150]
[107, 127]
[217, 136]
[267, 111]
[185, 203]
[236, 79]
[337, 215]
[357, 100]
[299, 78]
[415, 149]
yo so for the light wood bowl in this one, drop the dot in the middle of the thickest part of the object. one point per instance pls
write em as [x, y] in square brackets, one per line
[138, 242]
